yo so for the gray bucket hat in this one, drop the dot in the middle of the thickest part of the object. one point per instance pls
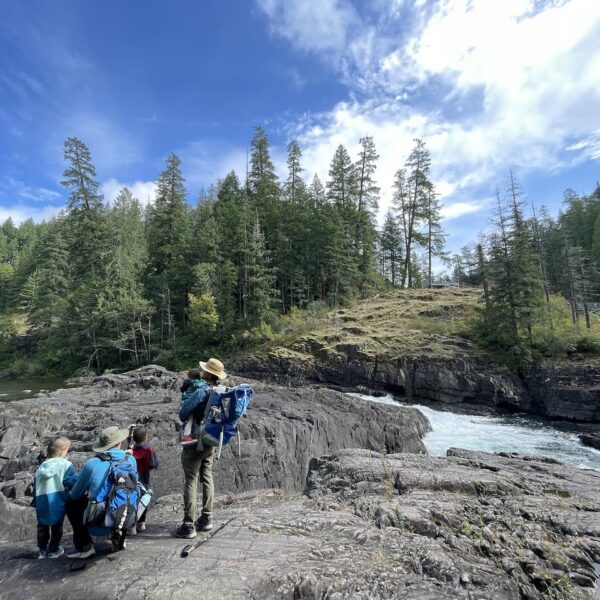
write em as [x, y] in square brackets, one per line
[110, 437]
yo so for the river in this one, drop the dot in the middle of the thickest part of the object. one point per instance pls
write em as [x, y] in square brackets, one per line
[18, 389]
[511, 433]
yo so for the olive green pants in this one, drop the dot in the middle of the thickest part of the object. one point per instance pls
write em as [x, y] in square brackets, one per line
[196, 464]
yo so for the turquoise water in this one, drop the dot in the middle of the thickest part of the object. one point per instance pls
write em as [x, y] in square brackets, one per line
[513, 433]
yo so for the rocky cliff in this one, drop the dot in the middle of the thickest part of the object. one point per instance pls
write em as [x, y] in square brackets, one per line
[412, 343]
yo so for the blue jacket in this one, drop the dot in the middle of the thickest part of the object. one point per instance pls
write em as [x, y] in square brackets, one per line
[51, 484]
[195, 404]
[94, 473]
[92, 477]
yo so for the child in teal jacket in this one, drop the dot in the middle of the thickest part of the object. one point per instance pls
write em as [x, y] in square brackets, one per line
[51, 484]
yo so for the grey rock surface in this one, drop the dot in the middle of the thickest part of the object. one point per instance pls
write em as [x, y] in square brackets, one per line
[590, 439]
[372, 526]
[283, 430]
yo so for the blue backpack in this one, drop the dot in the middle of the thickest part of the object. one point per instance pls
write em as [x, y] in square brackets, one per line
[222, 415]
[120, 495]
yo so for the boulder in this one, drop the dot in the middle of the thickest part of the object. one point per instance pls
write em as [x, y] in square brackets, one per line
[590, 439]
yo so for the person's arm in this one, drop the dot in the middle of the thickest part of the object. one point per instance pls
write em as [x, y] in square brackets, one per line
[70, 478]
[191, 404]
[153, 459]
[83, 483]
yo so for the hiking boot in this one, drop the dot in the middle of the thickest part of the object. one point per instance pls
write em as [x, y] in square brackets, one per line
[117, 541]
[204, 524]
[186, 530]
[41, 554]
[87, 552]
[57, 554]
[132, 531]
[188, 440]
[140, 527]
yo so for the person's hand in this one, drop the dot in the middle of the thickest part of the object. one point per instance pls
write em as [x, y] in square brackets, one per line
[129, 451]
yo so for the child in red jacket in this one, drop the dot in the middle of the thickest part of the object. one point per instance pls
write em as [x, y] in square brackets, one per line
[145, 457]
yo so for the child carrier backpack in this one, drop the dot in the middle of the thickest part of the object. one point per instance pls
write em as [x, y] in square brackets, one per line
[224, 410]
[119, 494]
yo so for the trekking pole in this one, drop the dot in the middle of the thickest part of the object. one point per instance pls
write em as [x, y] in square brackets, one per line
[191, 547]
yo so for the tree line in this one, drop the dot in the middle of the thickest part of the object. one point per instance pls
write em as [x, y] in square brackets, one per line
[119, 285]
[539, 276]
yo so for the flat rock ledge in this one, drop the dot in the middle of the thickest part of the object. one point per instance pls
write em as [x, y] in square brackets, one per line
[472, 525]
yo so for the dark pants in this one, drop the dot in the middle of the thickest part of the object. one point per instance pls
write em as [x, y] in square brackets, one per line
[81, 537]
[49, 536]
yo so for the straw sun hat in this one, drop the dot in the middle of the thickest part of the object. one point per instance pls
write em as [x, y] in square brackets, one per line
[215, 367]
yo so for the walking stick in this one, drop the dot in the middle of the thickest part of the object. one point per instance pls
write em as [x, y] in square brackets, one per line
[191, 547]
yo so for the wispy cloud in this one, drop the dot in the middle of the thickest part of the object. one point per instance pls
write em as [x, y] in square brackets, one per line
[205, 162]
[312, 25]
[459, 209]
[14, 189]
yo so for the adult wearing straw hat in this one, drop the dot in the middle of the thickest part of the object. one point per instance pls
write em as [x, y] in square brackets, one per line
[108, 448]
[199, 463]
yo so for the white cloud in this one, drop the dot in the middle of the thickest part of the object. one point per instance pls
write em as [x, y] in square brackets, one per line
[487, 85]
[144, 191]
[589, 146]
[21, 212]
[459, 209]
[312, 25]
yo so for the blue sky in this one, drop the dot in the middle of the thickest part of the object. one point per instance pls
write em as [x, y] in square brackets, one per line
[488, 86]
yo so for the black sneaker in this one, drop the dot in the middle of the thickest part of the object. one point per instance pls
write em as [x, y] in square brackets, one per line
[203, 524]
[117, 541]
[186, 530]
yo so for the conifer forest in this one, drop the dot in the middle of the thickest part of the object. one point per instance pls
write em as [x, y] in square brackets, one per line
[115, 286]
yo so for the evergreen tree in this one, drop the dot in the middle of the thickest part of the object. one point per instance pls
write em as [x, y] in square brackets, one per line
[516, 297]
[412, 196]
[168, 272]
[342, 184]
[391, 248]
[261, 279]
[86, 218]
[263, 187]
[434, 235]
[342, 263]
[367, 204]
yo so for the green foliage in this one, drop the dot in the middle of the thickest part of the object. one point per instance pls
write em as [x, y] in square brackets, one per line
[202, 316]
[117, 286]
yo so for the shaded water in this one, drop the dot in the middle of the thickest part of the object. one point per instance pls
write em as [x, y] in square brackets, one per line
[511, 433]
[19, 389]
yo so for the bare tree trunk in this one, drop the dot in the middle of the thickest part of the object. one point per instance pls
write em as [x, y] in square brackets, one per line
[483, 269]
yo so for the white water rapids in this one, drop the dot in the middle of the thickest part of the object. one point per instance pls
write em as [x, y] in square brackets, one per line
[512, 433]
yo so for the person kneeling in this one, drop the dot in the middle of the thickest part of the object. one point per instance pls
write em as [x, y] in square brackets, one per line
[94, 508]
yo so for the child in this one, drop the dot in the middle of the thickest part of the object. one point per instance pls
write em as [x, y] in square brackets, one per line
[51, 483]
[189, 387]
[145, 457]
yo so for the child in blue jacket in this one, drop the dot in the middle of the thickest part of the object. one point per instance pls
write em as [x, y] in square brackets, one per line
[193, 383]
[52, 482]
